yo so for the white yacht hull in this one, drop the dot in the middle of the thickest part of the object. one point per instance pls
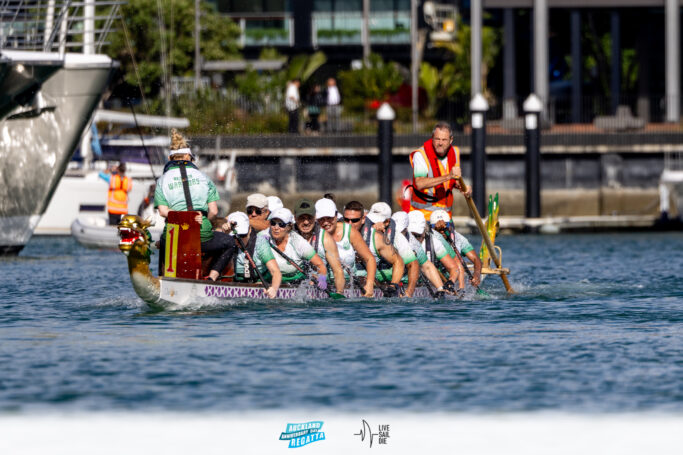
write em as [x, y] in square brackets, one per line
[37, 139]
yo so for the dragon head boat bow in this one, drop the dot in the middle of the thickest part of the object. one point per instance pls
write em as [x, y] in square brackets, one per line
[135, 243]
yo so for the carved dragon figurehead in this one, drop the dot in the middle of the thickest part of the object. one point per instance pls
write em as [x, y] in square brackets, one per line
[135, 243]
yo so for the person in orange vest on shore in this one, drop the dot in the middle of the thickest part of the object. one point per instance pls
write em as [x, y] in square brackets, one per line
[117, 195]
[436, 165]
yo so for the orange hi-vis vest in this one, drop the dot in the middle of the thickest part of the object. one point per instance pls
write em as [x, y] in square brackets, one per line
[439, 197]
[117, 200]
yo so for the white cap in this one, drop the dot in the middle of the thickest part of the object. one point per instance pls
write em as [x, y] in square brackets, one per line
[283, 214]
[401, 220]
[241, 221]
[325, 207]
[274, 203]
[379, 212]
[182, 151]
[257, 200]
[416, 222]
[439, 215]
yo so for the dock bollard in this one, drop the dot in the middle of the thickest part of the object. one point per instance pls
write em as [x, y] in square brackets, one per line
[479, 106]
[385, 142]
[532, 140]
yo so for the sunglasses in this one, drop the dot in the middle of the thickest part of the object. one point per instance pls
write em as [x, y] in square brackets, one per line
[256, 210]
[282, 224]
[351, 220]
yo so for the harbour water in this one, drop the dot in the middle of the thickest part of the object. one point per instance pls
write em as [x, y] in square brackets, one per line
[595, 329]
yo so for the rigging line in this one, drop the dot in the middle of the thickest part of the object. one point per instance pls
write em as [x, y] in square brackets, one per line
[135, 65]
[164, 57]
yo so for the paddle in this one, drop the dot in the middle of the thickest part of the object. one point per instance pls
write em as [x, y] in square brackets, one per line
[265, 284]
[485, 235]
[333, 295]
[467, 269]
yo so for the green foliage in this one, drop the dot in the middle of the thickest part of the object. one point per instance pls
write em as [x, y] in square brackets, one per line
[303, 66]
[268, 34]
[376, 80]
[218, 41]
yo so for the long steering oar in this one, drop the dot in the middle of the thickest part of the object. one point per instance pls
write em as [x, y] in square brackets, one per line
[485, 236]
[265, 284]
[333, 295]
[467, 269]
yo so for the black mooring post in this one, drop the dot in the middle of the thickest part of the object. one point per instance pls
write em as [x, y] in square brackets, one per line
[532, 139]
[478, 107]
[385, 142]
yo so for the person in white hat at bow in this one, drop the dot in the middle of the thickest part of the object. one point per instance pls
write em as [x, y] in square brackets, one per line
[442, 223]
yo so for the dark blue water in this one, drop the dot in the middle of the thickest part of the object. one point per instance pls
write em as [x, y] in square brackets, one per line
[597, 326]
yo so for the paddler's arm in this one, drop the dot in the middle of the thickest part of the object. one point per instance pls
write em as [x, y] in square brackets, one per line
[432, 274]
[389, 253]
[319, 265]
[472, 256]
[454, 270]
[413, 274]
[332, 256]
[366, 256]
[276, 278]
[163, 210]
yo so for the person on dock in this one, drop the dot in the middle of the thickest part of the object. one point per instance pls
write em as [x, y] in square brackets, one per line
[183, 187]
[427, 267]
[117, 194]
[291, 251]
[334, 108]
[292, 103]
[436, 166]
[339, 245]
[256, 247]
[257, 210]
[390, 265]
[436, 251]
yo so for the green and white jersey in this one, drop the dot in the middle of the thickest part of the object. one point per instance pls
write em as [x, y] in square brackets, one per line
[402, 248]
[417, 249]
[297, 249]
[262, 254]
[461, 243]
[169, 192]
[440, 238]
[439, 250]
[347, 255]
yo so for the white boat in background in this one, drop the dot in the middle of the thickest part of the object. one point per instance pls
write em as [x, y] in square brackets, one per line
[46, 101]
[93, 231]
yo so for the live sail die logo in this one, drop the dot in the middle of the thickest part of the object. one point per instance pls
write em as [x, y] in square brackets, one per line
[380, 436]
[301, 434]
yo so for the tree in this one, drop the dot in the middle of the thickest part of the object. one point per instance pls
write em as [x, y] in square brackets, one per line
[218, 40]
[375, 80]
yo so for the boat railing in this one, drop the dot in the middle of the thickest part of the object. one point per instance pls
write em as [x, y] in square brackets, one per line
[57, 25]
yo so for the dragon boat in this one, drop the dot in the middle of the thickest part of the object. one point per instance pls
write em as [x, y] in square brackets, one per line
[181, 283]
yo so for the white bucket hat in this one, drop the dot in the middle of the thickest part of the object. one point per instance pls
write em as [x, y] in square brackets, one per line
[401, 220]
[241, 221]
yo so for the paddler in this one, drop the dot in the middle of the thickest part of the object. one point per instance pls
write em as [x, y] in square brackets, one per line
[257, 248]
[390, 265]
[304, 221]
[257, 211]
[427, 267]
[339, 244]
[291, 251]
[442, 223]
[436, 166]
[183, 187]
[436, 251]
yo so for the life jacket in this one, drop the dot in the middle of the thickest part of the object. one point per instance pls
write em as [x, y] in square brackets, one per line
[117, 196]
[439, 197]
[366, 232]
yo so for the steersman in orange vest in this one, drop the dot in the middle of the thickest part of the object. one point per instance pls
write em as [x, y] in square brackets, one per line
[117, 194]
[436, 165]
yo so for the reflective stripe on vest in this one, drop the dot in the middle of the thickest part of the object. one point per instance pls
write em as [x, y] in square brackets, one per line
[117, 200]
[447, 202]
